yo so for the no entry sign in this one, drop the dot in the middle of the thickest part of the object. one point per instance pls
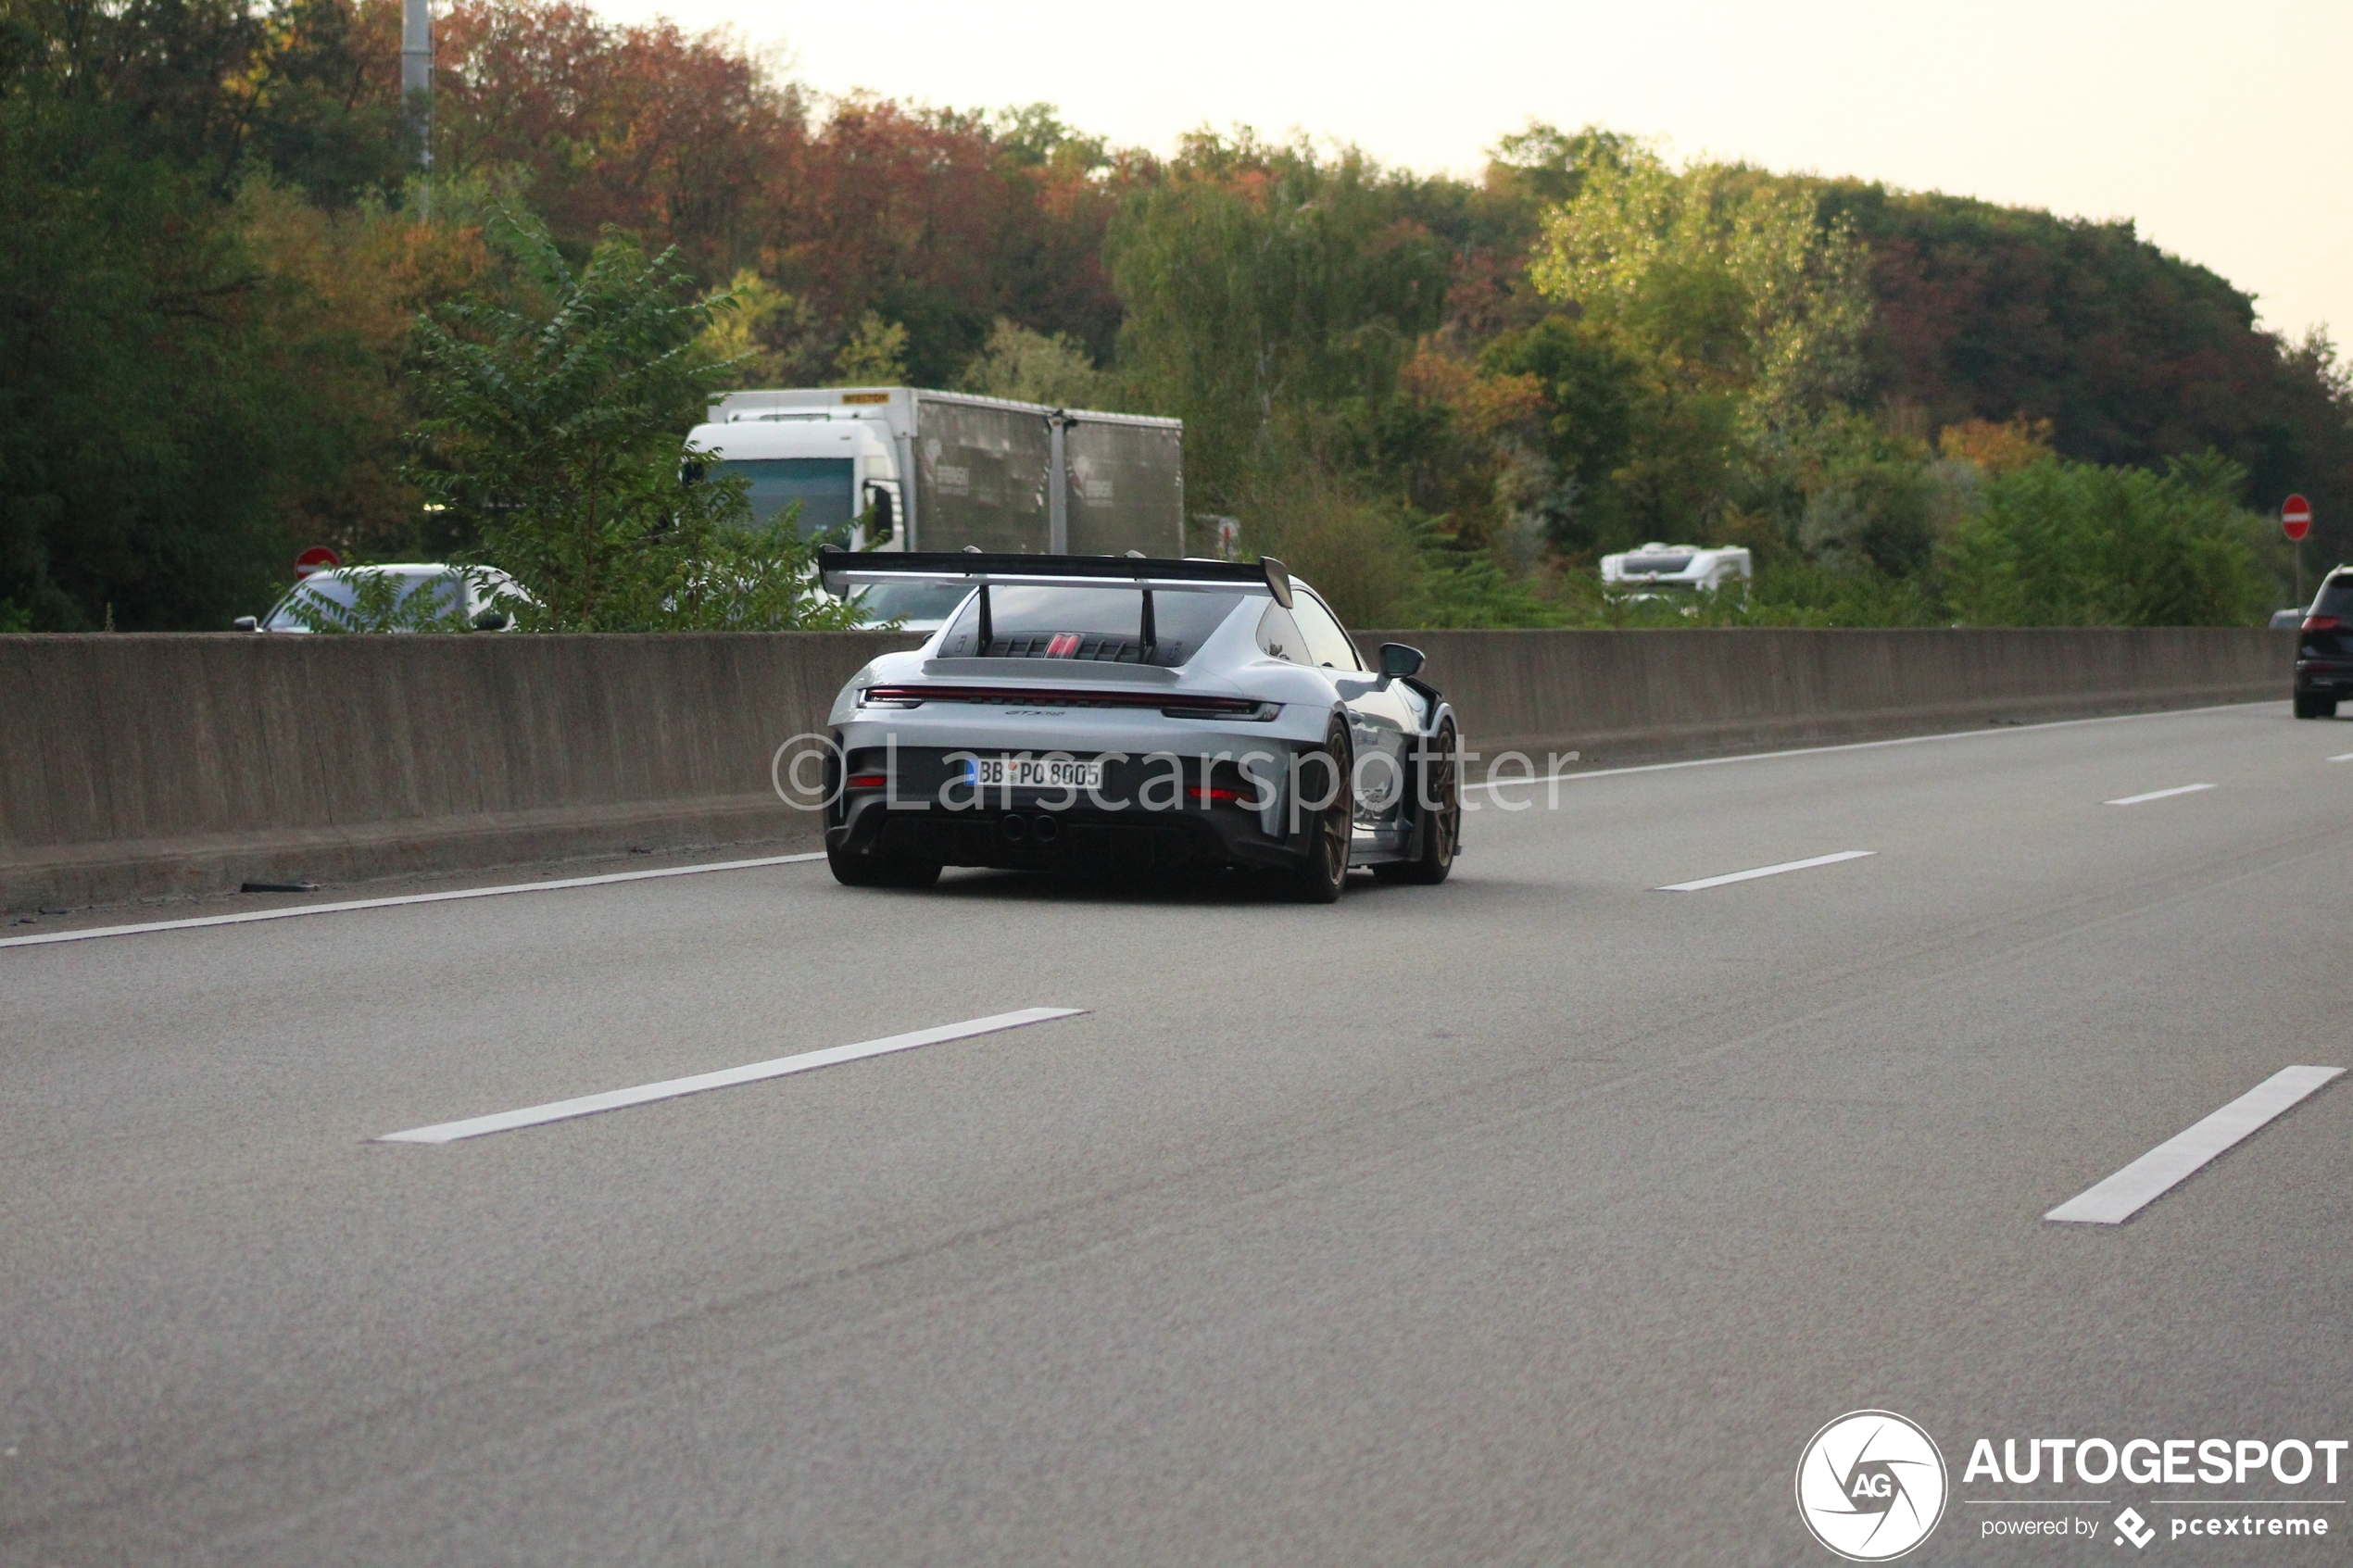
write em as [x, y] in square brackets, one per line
[2296, 517]
[318, 558]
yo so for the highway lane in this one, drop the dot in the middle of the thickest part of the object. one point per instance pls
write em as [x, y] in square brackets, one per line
[1537, 1218]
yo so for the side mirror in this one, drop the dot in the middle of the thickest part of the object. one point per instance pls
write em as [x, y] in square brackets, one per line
[247, 624]
[493, 620]
[1397, 661]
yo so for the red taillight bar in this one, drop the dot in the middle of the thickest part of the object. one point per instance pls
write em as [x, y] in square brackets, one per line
[2322, 623]
[1189, 704]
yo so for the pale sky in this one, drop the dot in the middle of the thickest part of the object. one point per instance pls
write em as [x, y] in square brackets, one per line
[2217, 127]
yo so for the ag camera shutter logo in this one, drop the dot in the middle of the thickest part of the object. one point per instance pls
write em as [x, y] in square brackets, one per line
[1872, 1486]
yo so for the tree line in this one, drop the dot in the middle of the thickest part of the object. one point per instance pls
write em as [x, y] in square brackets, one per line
[235, 321]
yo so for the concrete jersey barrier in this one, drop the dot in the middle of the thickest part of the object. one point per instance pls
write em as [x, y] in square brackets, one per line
[1633, 696]
[144, 766]
[137, 766]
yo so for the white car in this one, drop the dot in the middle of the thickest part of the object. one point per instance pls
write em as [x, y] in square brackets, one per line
[1114, 713]
[914, 606]
[458, 596]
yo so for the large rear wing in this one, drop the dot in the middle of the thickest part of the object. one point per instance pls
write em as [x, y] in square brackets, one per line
[840, 569]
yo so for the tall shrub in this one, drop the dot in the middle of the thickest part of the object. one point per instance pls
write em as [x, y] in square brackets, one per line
[554, 430]
[2057, 543]
[1260, 282]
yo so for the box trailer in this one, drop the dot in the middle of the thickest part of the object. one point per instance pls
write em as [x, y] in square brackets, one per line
[911, 470]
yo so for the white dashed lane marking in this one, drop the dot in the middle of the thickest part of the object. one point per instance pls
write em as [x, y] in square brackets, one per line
[2158, 794]
[2173, 1161]
[1764, 870]
[727, 1078]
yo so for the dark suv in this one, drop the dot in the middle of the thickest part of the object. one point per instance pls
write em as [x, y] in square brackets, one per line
[2324, 649]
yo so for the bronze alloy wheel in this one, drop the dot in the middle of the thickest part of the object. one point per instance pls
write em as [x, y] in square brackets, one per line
[1328, 770]
[1437, 794]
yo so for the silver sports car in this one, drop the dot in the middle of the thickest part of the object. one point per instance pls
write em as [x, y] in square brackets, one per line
[1110, 713]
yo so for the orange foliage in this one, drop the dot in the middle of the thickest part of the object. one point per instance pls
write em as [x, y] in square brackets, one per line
[676, 137]
[346, 288]
[927, 218]
[1997, 448]
[1483, 405]
[1476, 421]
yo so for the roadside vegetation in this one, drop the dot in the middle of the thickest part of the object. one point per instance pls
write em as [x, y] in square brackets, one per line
[233, 323]
[551, 446]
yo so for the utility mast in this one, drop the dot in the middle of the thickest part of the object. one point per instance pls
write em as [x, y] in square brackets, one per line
[416, 84]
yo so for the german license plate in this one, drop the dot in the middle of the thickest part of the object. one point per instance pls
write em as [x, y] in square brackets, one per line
[1033, 773]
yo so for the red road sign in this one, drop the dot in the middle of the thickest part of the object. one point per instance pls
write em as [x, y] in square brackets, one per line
[318, 558]
[2296, 516]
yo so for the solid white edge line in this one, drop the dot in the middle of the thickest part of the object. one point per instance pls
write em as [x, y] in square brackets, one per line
[248, 917]
[1764, 870]
[2118, 1198]
[1989, 733]
[2346, 757]
[2158, 794]
[671, 1088]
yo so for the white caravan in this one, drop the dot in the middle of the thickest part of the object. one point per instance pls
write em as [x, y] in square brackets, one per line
[1658, 570]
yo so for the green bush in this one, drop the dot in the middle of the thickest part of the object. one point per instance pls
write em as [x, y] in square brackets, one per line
[2060, 543]
[553, 432]
[380, 601]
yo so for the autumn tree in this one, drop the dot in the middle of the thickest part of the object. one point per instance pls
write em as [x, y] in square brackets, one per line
[943, 223]
[553, 427]
[1262, 282]
[680, 138]
[156, 370]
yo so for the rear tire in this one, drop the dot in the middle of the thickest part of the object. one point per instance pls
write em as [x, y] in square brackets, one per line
[1329, 832]
[872, 871]
[2310, 706]
[1438, 794]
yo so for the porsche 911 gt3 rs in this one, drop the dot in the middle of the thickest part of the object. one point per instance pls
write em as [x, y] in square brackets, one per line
[1108, 713]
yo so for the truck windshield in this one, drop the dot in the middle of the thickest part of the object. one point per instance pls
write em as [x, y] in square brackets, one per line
[821, 486]
[1102, 625]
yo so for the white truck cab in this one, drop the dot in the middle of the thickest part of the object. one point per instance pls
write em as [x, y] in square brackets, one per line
[839, 467]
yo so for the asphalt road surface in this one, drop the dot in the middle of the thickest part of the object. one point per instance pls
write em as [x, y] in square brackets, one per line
[1537, 1218]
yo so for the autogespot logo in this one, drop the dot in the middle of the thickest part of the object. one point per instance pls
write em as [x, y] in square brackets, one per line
[1870, 1485]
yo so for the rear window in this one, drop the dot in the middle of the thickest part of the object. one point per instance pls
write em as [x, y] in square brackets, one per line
[1095, 625]
[2336, 598]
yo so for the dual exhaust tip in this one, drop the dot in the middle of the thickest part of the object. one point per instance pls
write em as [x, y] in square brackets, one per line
[1040, 829]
